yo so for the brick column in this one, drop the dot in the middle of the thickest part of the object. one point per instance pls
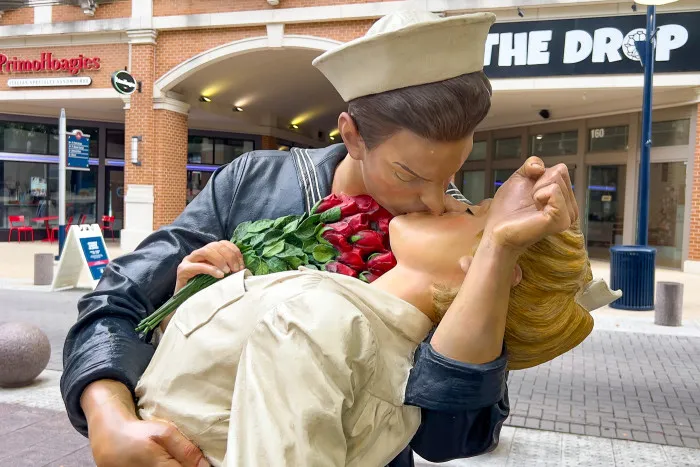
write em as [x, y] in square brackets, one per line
[693, 263]
[156, 187]
[269, 142]
[171, 160]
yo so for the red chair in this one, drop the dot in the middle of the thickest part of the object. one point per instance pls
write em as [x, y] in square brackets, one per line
[54, 231]
[83, 218]
[19, 228]
[108, 224]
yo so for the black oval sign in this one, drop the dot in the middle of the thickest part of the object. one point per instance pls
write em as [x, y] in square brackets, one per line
[123, 82]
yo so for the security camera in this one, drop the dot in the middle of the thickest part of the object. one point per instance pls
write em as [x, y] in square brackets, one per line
[544, 113]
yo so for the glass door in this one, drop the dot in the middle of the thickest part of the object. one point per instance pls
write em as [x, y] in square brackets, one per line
[667, 212]
[114, 196]
[605, 209]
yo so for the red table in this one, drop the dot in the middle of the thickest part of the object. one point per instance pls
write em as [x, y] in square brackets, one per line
[46, 220]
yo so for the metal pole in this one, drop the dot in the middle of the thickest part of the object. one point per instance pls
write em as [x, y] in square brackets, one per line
[61, 181]
[645, 160]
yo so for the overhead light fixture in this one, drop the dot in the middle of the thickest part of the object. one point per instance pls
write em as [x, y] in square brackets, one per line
[238, 109]
[521, 13]
[293, 126]
[332, 138]
[539, 136]
[204, 99]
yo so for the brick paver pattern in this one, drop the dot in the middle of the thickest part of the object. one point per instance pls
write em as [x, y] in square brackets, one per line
[616, 385]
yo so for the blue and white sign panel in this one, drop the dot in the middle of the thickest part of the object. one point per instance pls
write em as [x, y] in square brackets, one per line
[78, 151]
[96, 255]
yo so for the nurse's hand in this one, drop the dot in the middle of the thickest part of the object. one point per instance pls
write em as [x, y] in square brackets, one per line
[119, 438]
[215, 259]
[533, 203]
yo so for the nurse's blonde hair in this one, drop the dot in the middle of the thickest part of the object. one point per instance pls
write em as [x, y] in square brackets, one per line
[544, 320]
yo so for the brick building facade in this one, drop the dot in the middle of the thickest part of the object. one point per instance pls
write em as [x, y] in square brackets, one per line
[218, 78]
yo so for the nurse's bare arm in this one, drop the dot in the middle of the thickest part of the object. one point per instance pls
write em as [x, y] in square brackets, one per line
[295, 379]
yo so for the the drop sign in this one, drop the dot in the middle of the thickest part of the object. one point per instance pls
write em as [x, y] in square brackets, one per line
[123, 82]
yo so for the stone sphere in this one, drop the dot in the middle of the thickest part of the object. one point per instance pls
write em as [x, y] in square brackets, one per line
[24, 353]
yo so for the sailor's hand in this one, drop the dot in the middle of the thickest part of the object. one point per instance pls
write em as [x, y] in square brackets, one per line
[119, 438]
[215, 259]
[533, 203]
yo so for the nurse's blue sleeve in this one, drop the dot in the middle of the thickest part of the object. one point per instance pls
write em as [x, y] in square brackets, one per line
[463, 405]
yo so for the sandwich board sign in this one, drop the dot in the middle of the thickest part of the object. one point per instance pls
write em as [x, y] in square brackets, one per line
[84, 250]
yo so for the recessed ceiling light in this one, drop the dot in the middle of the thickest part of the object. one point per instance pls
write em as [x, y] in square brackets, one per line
[238, 109]
[294, 126]
[204, 99]
[539, 136]
[332, 138]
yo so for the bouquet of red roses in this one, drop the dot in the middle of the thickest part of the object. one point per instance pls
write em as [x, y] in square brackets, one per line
[344, 234]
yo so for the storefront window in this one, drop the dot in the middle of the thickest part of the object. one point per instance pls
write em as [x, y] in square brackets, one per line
[499, 178]
[473, 184]
[605, 139]
[666, 212]
[564, 143]
[670, 133]
[478, 151]
[507, 148]
[115, 144]
[216, 151]
[196, 181]
[31, 190]
[606, 208]
[28, 138]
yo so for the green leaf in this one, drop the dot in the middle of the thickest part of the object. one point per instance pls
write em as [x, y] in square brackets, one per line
[311, 266]
[315, 207]
[283, 221]
[240, 231]
[294, 241]
[291, 251]
[324, 253]
[272, 236]
[309, 245]
[265, 238]
[294, 262]
[259, 226]
[276, 265]
[273, 249]
[307, 228]
[291, 227]
[252, 261]
[262, 269]
[332, 215]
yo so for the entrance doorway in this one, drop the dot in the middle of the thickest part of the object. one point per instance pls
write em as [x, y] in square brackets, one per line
[605, 209]
[114, 195]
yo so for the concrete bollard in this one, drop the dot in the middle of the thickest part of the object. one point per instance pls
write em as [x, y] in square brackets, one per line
[43, 268]
[669, 304]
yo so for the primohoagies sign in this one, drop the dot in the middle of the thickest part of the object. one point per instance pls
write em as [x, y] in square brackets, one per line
[48, 63]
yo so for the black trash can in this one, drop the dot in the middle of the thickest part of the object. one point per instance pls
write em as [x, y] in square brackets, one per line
[632, 270]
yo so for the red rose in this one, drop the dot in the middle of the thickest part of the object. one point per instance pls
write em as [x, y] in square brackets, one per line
[352, 258]
[327, 203]
[334, 266]
[368, 241]
[348, 206]
[381, 262]
[358, 222]
[383, 225]
[380, 213]
[337, 240]
[368, 277]
[366, 203]
[342, 227]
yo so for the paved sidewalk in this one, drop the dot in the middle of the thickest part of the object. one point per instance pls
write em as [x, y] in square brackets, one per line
[616, 385]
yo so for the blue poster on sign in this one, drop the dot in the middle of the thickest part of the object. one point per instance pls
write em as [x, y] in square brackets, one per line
[95, 254]
[78, 151]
